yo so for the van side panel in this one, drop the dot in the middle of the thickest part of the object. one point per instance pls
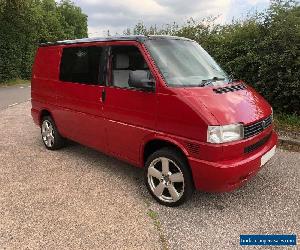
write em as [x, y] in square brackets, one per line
[44, 80]
[47, 63]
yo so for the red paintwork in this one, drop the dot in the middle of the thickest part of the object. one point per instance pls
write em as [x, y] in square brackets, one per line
[129, 119]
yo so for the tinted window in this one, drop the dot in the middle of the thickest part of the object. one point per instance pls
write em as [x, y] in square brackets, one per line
[82, 65]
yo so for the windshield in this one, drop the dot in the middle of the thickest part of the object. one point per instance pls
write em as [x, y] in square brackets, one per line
[185, 63]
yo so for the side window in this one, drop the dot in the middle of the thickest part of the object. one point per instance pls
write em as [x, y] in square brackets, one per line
[125, 59]
[83, 65]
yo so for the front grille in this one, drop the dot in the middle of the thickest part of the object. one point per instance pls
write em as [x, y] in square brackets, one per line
[256, 128]
[233, 88]
[258, 144]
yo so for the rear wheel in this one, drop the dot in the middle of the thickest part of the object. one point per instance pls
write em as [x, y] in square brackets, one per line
[168, 178]
[50, 135]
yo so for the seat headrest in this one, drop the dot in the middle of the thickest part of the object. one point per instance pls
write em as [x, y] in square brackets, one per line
[121, 61]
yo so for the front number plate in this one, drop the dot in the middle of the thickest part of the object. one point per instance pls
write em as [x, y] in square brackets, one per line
[267, 156]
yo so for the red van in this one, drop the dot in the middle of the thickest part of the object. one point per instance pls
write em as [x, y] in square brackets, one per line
[158, 102]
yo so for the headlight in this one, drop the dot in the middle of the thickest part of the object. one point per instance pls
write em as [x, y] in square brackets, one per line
[227, 133]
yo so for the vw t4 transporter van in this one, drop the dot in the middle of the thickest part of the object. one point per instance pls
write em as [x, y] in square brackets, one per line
[157, 102]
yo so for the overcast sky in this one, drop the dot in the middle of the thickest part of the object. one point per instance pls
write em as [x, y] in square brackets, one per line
[117, 15]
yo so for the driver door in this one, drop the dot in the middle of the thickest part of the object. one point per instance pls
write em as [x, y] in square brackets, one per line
[130, 112]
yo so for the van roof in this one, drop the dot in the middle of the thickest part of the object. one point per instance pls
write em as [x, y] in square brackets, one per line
[139, 38]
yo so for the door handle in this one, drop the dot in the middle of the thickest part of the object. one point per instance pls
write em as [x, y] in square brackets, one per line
[103, 95]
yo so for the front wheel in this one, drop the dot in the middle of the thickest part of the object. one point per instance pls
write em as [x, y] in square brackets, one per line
[168, 178]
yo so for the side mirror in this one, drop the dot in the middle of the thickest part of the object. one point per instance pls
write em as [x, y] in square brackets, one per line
[141, 79]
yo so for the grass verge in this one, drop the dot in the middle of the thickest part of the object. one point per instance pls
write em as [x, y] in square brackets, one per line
[287, 123]
[13, 82]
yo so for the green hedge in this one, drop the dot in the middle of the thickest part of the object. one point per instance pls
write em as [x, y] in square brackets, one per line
[26, 23]
[262, 50]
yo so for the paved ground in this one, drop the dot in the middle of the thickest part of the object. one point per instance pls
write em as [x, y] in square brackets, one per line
[77, 198]
[13, 95]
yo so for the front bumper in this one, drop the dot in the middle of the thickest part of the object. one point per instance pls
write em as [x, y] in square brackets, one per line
[227, 175]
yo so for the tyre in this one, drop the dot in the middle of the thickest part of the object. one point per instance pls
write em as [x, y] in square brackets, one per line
[50, 135]
[168, 178]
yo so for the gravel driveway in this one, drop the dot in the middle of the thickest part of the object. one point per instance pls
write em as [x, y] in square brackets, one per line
[77, 198]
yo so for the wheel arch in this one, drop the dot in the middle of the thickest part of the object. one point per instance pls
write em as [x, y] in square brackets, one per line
[156, 143]
[44, 112]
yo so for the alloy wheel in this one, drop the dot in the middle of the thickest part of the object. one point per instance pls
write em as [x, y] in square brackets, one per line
[48, 133]
[165, 179]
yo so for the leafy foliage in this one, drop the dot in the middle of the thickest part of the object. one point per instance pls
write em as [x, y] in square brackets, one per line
[263, 50]
[26, 23]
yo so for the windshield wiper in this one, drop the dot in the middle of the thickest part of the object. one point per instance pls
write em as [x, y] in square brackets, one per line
[210, 81]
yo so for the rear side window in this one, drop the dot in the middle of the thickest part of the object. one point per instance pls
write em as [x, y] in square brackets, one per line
[83, 65]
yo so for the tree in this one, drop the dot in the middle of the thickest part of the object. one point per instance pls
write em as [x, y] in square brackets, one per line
[26, 23]
[73, 20]
[16, 36]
